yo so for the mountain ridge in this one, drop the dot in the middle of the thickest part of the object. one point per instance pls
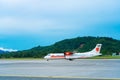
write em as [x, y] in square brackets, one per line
[78, 44]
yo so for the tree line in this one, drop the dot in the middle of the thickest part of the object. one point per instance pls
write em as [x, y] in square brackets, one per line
[79, 44]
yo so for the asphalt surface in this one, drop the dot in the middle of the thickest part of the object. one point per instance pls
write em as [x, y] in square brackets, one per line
[83, 69]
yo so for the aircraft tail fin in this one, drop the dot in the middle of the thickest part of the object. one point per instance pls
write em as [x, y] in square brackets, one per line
[97, 48]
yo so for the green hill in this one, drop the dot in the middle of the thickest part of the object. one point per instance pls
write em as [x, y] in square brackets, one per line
[79, 44]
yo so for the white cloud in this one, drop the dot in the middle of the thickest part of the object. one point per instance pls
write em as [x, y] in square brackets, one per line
[57, 15]
[10, 50]
[59, 5]
[12, 3]
[10, 25]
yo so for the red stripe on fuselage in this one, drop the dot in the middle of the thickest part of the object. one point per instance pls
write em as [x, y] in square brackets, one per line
[54, 56]
[82, 57]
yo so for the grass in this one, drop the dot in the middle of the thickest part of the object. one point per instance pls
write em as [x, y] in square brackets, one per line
[105, 57]
[22, 58]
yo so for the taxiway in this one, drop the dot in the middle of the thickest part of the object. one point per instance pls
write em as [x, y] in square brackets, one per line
[83, 68]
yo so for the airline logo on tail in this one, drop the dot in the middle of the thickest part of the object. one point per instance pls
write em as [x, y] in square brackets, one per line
[98, 48]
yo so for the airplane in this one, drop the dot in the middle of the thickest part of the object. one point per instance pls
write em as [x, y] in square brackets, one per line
[71, 56]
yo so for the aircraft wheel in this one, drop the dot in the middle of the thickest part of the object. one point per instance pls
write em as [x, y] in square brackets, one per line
[70, 59]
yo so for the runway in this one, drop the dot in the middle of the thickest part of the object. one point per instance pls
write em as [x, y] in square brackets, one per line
[84, 69]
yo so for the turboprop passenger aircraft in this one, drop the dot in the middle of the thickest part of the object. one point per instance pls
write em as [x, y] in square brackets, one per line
[71, 56]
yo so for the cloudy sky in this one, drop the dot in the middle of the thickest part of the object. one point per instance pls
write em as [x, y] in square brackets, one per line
[28, 23]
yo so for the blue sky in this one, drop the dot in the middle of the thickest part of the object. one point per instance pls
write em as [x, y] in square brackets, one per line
[28, 23]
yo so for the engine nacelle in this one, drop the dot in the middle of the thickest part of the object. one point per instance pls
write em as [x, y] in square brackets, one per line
[68, 53]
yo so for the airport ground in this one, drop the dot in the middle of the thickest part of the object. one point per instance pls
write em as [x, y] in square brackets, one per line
[82, 69]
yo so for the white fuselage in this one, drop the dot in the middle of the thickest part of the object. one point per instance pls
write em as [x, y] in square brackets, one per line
[70, 55]
[73, 56]
[82, 55]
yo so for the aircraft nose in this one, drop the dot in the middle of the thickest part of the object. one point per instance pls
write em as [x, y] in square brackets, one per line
[45, 57]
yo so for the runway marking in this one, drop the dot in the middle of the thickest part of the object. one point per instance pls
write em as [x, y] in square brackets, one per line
[62, 77]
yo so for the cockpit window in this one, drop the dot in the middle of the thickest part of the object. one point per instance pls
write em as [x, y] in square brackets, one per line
[48, 55]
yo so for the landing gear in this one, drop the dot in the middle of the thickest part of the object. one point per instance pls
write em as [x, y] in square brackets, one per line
[70, 59]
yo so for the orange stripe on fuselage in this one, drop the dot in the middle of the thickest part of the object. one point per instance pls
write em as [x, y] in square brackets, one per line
[53, 56]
